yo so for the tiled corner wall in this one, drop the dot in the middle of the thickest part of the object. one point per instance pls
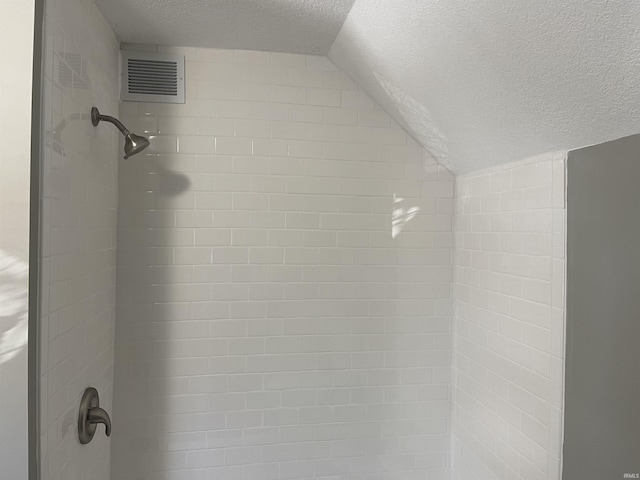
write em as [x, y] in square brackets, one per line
[509, 321]
[284, 283]
[79, 201]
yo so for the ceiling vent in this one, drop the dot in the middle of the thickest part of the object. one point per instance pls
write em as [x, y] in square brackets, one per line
[152, 77]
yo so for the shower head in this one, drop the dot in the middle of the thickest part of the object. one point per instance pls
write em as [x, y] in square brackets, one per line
[132, 143]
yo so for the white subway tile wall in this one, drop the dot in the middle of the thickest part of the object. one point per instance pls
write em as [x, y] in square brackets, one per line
[284, 282]
[509, 321]
[78, 249]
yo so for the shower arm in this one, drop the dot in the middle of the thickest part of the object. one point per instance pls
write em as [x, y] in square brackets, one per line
[97, 117]
[133, 143]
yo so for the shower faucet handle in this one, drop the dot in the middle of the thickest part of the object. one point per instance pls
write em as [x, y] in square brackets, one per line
[90, 415]
[97, 415]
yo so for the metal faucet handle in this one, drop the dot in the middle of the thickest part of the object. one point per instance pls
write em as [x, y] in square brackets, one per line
[97, 415]
[90, 415]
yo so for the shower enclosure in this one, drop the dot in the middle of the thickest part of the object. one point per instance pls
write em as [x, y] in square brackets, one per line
[280, 297]
[266, 291]
[277, 281]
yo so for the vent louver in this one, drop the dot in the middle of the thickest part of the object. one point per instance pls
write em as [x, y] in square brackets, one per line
[152, 77]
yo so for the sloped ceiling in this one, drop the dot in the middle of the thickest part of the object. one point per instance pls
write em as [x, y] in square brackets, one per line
[483, 82]
[476, 82]
[297, 26]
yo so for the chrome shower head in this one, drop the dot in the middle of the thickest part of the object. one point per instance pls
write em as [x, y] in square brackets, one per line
[132, 143]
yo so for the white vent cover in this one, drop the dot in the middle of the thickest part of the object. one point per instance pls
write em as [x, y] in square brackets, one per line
[152, 77]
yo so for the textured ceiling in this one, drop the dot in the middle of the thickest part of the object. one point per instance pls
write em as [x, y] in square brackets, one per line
[483, 82]
[297, 26]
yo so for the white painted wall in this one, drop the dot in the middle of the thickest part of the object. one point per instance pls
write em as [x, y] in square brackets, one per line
[509, 321]
[16, 60]
[270, 326]
[81, 69]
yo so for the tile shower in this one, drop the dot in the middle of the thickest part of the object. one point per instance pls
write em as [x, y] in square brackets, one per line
[291, 301]
[284, 281]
